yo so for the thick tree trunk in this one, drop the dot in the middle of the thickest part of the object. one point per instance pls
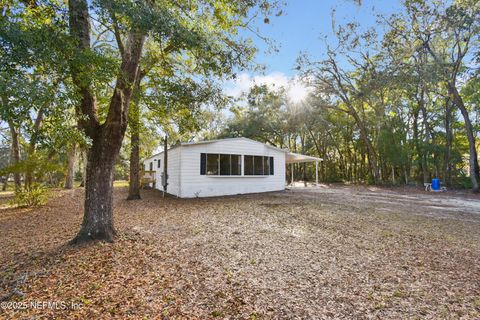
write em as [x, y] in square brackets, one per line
[106, 137]
[473, 161]
[98, 214]
[71, 156]
[15, 154]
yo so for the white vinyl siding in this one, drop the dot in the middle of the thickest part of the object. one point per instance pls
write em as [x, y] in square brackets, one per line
[186, 181]
[196, 185]
[173, 170]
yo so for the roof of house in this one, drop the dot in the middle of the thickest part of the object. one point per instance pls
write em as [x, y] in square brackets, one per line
[227, 139]
[291, 157]
[194, 143]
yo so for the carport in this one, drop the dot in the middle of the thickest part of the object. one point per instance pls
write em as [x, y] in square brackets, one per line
[292, 158]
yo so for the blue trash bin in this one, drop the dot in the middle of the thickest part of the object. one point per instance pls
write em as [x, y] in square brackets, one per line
[436, 184]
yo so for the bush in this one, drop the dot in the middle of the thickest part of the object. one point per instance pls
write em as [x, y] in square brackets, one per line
[462, 182]
[36, 196]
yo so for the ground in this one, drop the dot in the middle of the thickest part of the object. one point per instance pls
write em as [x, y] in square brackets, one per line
[315, 253]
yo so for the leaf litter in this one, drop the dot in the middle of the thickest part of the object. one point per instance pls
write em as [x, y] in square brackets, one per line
[324, 253]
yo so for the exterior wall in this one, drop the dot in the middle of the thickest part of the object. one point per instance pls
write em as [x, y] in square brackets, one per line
[173, 170]
[193, 184]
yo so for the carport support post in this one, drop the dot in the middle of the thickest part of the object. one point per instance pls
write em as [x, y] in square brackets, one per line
[316, 173]
[292, 174]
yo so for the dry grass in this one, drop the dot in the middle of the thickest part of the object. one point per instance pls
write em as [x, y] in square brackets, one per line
[337, 252]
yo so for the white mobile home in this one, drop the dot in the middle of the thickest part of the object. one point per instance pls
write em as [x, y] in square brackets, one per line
[222, 167]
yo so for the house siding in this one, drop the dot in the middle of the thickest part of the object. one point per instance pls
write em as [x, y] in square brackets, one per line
[196, 185]
[173, 170]
[185, 180]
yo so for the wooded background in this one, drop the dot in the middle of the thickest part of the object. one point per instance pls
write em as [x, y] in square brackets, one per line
[400, 106]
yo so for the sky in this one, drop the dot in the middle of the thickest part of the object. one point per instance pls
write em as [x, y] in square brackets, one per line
[299, 30]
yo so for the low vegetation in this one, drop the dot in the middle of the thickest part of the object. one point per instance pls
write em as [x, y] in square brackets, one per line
[33, 197]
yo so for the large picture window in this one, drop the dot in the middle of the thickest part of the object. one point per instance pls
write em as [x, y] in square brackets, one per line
[258, 165]
[217, 164]
[214, 164]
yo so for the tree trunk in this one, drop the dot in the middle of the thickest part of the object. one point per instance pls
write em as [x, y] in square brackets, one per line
[98, 218]
[447, 167]
[134, 122]
[15, 154]
[32, 146]
[416, 141]
[134, 183]
[5, 183]
[70, 166]
[372, 156]
[107, 137]
[426, 139]
[304, 165]
[473, 161]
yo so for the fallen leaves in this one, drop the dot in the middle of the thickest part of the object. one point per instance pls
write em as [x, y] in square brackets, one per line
[297, 254]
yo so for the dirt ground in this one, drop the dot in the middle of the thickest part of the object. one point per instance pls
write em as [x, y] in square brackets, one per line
[317, 253]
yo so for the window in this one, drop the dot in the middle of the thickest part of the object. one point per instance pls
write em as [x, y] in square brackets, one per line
[158, 163]
[220, 164]
[212, 164]
[225, 165]
[151, 166]
[236, 165]
[266, 166]
[248, 165]
[258, 165]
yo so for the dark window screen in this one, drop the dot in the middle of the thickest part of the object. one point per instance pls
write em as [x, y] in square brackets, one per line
[248, 163]
[258, 165]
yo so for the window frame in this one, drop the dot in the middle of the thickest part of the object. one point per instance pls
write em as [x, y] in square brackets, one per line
[266, 171]
[204, 171]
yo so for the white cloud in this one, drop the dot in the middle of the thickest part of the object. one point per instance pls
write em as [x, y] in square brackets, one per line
[296, 89]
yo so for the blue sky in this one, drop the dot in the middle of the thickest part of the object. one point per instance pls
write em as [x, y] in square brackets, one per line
[304, 21]
[299, 30]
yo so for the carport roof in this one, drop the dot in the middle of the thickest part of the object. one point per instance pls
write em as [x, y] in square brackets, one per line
[299, 158]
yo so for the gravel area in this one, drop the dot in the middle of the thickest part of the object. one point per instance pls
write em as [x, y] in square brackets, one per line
[329, 252]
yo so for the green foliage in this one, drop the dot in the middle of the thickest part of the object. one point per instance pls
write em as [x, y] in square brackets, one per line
[35, 196]
[380, 101]
[39, 166]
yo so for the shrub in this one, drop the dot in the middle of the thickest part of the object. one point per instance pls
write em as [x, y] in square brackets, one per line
[34, 197]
